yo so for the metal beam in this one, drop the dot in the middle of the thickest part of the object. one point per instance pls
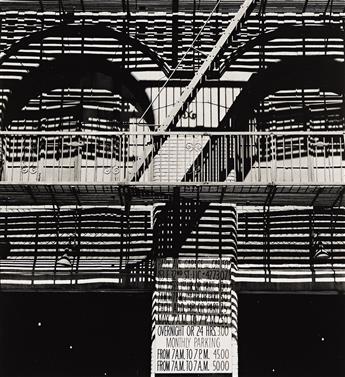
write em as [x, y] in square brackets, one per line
[70, 69]
[284, 32]
[191, 90]
[320, 72]
[87, 31]
[175, 33]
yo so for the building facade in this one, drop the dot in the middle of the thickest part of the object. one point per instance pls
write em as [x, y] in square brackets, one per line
[192, 150]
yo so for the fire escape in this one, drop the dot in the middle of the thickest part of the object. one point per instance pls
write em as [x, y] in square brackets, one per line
[255, 156]
[240, 161]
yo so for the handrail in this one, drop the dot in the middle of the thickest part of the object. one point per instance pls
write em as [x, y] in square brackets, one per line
[100, 156]
[168, 133]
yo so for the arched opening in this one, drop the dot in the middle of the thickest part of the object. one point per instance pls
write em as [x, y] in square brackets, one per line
[82, 93]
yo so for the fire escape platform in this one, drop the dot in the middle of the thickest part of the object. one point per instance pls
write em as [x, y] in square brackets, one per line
[323, 195]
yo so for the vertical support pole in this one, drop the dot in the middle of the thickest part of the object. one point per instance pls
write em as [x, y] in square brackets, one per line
[273, 157]
[36, 251]
[125, 58]
[2, 158]
[56, 215]
[77, 241]
[175, 33]
[266, 238]
[312, 244]
[343, 102]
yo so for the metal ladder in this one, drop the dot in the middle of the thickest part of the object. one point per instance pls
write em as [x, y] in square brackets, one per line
[192, 88]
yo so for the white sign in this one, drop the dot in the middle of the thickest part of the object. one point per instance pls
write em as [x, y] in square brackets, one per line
[205, 273]
[192, 349]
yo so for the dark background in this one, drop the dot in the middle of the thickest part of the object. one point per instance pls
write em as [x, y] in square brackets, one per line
[292, 335]
[110, 335]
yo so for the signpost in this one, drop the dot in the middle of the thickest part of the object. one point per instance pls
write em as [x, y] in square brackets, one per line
[192, 317]
[192, 349]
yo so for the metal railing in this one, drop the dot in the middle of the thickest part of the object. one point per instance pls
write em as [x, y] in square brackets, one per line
[172, 157]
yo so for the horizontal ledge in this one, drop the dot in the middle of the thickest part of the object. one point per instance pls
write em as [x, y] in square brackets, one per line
[76, 288]
[290, 288]
[323, 195]
[152, 184]
[199, 132]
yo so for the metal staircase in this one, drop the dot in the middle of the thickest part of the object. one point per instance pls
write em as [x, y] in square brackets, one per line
[188, 96]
